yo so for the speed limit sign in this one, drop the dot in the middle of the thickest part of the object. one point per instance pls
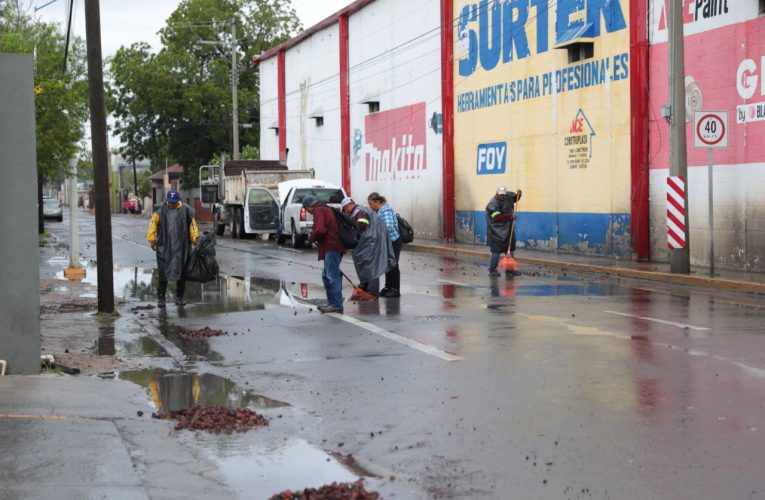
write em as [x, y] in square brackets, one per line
[711, 129]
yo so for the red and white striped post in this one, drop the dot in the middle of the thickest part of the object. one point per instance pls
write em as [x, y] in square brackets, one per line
[676, 212]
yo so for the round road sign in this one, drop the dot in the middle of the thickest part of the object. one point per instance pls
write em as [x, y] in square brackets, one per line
[710, 129]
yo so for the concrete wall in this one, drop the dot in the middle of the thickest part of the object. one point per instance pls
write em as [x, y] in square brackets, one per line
[395, 59]
[312, 90]
[20, 290]
[526, 117]
[269, 110]
[725, 71]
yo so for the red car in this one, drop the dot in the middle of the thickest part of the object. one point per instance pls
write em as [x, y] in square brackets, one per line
[131, 205]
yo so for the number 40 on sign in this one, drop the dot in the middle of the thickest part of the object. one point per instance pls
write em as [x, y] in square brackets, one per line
[711, 129]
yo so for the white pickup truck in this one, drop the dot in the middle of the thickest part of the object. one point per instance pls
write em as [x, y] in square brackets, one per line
[294, 221]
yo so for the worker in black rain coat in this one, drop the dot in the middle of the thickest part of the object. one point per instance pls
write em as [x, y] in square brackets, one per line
[172, 232]
[500, 213]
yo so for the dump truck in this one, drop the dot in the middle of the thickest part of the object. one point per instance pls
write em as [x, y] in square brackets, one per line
[244, 196]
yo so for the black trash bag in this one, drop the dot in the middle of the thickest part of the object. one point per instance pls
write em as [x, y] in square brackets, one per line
[201, 265]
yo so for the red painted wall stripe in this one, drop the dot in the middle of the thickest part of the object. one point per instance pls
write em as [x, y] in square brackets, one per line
[447, 110]
[345, 106]
[639, 212]
[281, 84]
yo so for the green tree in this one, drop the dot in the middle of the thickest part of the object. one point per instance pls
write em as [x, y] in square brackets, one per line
[61, 108]
[177, 102]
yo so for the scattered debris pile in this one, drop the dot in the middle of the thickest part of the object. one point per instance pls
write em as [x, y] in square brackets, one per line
[147, 307]
[203, 333]
[334, 491]
[214, 418]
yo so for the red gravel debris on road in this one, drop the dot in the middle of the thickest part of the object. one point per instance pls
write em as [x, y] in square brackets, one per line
[214, 418]
[334, 491]
[203, 333]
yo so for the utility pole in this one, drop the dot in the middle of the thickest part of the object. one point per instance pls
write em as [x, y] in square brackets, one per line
[100, 160]
[233, 45]
[234, 98]
[135, 180]
[680, 258]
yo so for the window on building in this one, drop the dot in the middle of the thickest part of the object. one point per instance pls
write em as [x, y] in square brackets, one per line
[374, 106]
[319, 121]
[580, 51]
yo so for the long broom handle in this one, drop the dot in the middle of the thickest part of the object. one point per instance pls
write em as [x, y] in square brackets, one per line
[512, 226]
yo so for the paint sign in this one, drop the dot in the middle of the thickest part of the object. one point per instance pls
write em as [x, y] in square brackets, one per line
[492, 158]
[395, 143]
[711, 129]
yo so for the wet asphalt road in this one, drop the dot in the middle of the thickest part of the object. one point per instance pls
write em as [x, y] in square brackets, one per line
[542, 386]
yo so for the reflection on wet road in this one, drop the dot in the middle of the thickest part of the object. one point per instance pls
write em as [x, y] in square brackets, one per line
[556, 378]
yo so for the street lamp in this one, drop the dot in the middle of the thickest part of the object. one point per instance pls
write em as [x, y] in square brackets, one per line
[234, 82]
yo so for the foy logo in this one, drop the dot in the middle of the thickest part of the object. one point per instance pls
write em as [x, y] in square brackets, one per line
[492, 158]
[491, 30]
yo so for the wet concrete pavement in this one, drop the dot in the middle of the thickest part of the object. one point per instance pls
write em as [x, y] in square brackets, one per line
[543, 386]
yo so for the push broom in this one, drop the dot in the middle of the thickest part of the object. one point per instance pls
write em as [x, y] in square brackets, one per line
[358, 292]
[508, 263]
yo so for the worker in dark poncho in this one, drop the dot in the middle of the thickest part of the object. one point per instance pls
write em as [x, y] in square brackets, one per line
[172, 232]
[373, 256]
[500, 213]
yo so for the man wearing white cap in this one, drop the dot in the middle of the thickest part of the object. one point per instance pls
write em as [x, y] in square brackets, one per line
[500, 212]
[373, 256]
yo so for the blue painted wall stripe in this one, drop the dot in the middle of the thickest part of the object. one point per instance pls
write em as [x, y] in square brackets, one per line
[585, 233]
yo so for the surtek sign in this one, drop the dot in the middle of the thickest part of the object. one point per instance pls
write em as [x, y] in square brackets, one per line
[492, 158]
[490, 31]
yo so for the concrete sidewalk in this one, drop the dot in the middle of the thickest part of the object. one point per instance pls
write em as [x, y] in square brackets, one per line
[730, 281]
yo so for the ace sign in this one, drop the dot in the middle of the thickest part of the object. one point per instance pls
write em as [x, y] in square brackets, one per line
[710, 129]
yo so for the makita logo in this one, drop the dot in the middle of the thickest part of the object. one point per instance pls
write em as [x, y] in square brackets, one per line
[395, 143]
[403, 159]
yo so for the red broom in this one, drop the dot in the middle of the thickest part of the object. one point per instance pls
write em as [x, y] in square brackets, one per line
[508, 263]
[359, 293]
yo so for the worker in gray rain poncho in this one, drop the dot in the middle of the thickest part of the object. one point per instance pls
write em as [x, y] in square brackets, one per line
[172, 232]
[373, 256]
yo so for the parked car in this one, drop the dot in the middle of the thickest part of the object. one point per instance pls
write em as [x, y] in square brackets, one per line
[132, 205]
[52, 209]
[294, 221]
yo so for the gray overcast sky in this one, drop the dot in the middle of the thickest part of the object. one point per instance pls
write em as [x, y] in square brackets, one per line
[126, 21]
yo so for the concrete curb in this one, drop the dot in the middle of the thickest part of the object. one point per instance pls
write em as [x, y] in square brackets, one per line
[728, 285]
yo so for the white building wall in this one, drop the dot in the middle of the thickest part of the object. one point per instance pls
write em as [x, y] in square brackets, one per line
[269, 109]
[395, 59]
[312, 89]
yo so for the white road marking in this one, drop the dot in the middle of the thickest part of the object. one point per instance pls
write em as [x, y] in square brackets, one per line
[427, 349]
[455, 283]
[662, 321]
[123, 238]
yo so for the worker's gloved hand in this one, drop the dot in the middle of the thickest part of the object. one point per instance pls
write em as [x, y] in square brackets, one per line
[518, 195]
[154, 245]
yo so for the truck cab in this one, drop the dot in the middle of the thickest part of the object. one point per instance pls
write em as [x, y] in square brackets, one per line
[296, 223]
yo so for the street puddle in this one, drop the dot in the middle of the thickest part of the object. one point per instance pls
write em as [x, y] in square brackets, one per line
[171, 391]
[259, 466]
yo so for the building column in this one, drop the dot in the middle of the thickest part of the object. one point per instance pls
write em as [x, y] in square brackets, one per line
[282, 98]
[345, 106]
[447, 111]
[639, 210]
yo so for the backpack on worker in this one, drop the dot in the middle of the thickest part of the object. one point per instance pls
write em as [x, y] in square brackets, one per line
[405, 230]
[347, 229]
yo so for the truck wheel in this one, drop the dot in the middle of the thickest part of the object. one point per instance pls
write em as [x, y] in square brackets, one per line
[240, 218]
[297, 239]
[281, 239]
[219, 228]
[234, 216]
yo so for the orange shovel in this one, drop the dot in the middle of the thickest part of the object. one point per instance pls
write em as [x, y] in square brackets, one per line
[508, 263]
